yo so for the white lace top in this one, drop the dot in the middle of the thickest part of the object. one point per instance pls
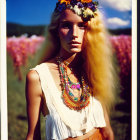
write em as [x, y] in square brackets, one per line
[63, 122]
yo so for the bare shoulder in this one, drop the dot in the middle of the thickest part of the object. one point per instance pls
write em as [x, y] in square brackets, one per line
[33, 86]
[52, 64]
[32, 75]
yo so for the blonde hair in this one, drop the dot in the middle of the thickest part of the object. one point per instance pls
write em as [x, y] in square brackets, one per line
[98, 56]
[100, 62]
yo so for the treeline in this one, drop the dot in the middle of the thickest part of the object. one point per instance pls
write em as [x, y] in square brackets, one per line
[18, 29]
[126, 31]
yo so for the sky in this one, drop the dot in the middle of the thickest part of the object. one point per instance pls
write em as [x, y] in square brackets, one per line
[117, 13]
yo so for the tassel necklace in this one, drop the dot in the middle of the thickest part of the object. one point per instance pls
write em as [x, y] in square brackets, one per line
[69, 89]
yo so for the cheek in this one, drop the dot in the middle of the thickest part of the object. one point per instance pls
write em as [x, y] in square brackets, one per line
[82, 33]
[63, 33]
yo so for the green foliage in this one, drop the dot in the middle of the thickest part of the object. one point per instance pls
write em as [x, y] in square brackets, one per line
[17, 29]
[126, 31]
[17, 118]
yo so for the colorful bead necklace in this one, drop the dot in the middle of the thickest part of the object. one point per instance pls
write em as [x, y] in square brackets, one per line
[68, 88]
[74, 85]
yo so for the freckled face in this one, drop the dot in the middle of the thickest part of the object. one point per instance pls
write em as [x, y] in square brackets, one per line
[71, 31]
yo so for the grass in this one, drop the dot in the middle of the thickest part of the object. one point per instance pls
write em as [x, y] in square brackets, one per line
[17, 119]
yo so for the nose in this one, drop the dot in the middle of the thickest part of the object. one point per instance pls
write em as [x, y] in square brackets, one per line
[75, 32]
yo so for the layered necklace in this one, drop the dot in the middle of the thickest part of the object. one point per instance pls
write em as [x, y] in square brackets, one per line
[70, 89]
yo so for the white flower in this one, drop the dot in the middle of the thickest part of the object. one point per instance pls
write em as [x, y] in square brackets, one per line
[87, 12]
[77, 10]
[70, 7]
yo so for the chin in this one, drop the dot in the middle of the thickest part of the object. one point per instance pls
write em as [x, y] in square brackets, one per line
[75, 50]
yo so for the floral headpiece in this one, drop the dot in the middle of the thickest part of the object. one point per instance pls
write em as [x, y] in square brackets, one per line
[83, 8]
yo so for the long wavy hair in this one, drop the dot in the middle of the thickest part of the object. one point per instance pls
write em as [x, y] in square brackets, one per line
[99, 60]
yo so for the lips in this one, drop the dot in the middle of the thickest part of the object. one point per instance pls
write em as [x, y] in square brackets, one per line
[74, 43]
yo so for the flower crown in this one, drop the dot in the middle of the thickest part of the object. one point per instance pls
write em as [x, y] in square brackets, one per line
[84, 8]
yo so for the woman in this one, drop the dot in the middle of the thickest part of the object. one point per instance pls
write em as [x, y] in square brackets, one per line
[74, 88]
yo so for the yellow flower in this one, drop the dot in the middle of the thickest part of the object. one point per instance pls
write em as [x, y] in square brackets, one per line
[86, 1]
[65, 1]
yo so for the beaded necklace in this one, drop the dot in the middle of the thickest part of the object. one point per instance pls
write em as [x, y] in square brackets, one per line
[68, 88]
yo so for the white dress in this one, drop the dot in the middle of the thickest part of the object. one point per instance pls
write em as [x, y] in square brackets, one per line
[63, 122]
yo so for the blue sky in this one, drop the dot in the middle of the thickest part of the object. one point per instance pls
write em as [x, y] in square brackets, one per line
[38, 12]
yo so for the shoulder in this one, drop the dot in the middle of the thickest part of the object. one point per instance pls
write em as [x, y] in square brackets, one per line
[33, 80]
[33, 86]
[32, 75]
[52, 64]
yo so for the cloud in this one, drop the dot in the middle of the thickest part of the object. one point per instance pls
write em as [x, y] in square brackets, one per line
[120, 5]
[116, 22]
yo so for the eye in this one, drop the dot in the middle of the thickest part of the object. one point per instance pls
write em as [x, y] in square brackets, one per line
[82, 25]
[65, 25]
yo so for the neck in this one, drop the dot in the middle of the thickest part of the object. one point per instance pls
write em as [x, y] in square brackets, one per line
[72, 58]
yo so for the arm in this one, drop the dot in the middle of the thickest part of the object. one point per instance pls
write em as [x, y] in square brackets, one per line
[107, 132]
[33, 99]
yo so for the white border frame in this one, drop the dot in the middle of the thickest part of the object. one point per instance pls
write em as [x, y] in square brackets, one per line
[3, 72]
